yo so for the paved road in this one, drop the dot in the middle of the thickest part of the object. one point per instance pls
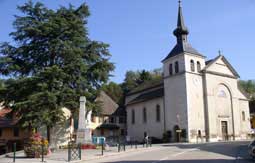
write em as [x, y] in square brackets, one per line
[230, 152]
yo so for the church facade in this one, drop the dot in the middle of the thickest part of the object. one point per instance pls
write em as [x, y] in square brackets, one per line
[196, 100]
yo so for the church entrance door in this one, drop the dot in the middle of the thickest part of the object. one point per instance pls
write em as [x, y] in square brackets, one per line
[224, 130]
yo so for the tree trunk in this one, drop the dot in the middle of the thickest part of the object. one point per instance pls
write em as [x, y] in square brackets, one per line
[48, 133]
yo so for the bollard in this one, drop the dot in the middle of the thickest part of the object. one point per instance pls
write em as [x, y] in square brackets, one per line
[14, 152]
[69, 152]
[131, 143]
[79, 148]
[102, 151]
[119, 147]
[135, 145]
[42, 146]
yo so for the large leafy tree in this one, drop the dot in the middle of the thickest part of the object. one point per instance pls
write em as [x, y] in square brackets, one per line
[50, 63]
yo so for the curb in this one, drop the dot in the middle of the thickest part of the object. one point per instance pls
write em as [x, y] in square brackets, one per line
[10, 154]
[118, 153]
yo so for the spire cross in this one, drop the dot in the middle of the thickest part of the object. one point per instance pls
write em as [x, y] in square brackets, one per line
[219, 52]
[179, 1]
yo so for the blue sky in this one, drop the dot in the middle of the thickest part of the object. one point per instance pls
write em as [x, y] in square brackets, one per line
[140, 31]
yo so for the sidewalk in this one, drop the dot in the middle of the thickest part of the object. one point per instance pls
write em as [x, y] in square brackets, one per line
[61, 156]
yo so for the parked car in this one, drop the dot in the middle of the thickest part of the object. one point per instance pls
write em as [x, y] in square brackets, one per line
[251, 149]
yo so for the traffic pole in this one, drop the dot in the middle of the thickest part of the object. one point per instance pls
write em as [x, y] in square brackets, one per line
[14, 152]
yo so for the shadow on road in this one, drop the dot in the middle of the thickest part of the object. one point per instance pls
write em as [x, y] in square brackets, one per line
[184, 161]
[232, 149]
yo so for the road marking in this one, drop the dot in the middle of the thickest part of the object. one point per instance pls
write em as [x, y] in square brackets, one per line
[163, 159]
[177, 154]
[188, 150]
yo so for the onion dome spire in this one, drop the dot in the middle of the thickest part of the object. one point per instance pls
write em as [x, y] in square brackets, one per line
[181, 31]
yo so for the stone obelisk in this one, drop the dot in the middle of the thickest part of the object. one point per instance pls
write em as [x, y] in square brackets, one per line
[83, 132]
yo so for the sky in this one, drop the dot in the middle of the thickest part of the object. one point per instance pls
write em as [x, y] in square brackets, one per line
[139, 32]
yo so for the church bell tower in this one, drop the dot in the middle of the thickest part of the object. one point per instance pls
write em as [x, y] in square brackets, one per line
[183, 86]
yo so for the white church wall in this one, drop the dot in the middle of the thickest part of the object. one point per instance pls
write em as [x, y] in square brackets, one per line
[176, 102]
[220, 110]
[195, 99]
[151, 127]
[245, 125]
[220, 67]
[189, 57]
[178, 58]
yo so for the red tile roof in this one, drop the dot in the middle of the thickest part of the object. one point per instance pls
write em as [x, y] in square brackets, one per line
[4, 112]
[4, 120]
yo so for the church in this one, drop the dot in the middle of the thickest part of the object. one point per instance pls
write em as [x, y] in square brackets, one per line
[196, 100]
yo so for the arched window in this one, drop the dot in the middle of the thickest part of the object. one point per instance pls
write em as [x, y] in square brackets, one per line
[192, 65]
[133, 116]
[176, 67]
[243, 115]
[198, 66]
[171, 69]
[158, 113]
[144, 115]
[222, 93]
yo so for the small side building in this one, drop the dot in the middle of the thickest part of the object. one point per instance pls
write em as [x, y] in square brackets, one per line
[10, 132]
[111, 122]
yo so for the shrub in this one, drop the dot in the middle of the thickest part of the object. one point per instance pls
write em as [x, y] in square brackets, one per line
[33, 148]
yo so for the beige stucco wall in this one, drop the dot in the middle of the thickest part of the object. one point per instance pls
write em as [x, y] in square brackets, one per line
[195, 98]
[60, 133]
[225, 109]
[245, 125]
[221, 67]
[152, 127]
[184, 95]
[175, 102]
[175, 94]
[195, 106]
[181, 61]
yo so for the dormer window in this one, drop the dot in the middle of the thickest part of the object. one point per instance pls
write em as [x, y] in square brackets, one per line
[171, 69]
[198, 66]
[176, 67]
[192, 66]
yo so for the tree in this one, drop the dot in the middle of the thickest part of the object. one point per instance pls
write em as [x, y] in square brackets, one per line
[144, 76]
[51, 63]
[114, 91]
[248, 87]
[130, 81]
[2, 85]
[135, 78]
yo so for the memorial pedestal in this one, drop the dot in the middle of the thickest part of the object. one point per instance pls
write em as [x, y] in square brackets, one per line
[84, 136]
